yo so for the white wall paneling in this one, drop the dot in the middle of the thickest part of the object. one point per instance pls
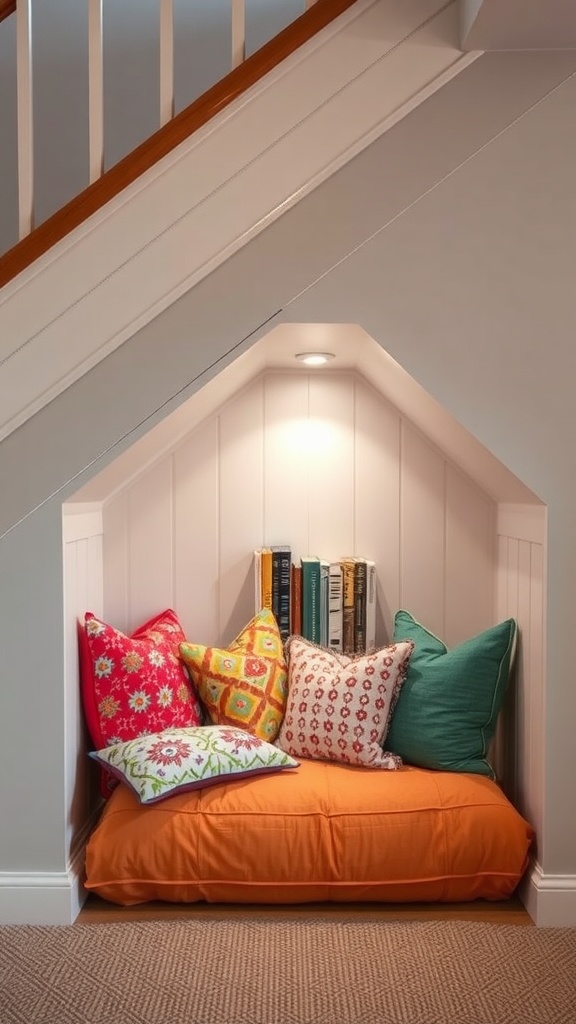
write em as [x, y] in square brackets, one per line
[196, 553]
[241, 486]
[151, 543]
[83, 590]
[287, 462]
[317, 460]
[520, 583]
[469, 559]
[422, 529]
[331, 466]
[377, 490]
[116, 565]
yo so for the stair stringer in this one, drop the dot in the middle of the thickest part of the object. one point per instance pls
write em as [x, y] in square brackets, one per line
[178, 222]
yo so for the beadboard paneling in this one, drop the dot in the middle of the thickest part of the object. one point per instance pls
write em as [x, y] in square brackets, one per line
[469, 558]
[287, 465]
[150, 542]
[83, 591]
[331, 472]
[422, 529]
[320, 461]
[520, 584]
[196, 554]
[241, 506]
[116, 565]
[377, 489]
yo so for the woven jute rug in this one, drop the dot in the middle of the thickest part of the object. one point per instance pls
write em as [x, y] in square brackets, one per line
[254, 971]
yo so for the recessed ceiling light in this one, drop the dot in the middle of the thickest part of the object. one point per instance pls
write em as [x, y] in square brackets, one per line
[314, 358]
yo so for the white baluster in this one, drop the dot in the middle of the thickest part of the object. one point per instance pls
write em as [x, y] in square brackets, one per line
[238, 32]
[166, 61]
[95, 90]
[24, 115]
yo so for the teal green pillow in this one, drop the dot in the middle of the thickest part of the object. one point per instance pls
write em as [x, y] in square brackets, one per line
[447, 709]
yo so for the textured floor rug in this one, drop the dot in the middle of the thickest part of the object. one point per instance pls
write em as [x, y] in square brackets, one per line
[287, 972]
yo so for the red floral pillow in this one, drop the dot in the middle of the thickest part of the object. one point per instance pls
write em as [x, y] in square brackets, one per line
[339, 706]
[134, 685]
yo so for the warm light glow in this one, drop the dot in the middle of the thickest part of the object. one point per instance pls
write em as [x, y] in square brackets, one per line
[314, 358]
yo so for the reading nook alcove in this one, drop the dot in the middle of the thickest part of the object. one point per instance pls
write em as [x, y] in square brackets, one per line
[350, 458]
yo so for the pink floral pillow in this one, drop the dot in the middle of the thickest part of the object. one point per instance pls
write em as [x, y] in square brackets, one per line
[339, 706]
[134, 685]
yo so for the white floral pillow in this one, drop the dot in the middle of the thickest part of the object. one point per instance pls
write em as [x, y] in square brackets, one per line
[174, 760]
[339, 706]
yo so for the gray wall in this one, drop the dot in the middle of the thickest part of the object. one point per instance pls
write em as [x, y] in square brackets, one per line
[460, 265]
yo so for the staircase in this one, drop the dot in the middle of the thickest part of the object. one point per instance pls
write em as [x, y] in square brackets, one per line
[156, 224]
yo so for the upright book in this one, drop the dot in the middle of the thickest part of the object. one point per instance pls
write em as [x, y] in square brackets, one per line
[359, 606]
[324, 600]
[266, 562]
[281, 579]
[370, 605]
[348, 566]
[296, 599]
[335, 607]
[311, 598]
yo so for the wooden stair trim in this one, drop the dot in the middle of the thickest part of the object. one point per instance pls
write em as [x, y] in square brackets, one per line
[7, 7]
[162, 142]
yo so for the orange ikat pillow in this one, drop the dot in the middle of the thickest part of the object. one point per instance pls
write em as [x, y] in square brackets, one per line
[243, 685]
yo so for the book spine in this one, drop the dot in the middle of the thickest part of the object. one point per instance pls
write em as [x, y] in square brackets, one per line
[311, 599]
[360, 606]
[296, 600]
[335, 609]
[276, 558]
[281, 584]
[266, 560]
[370, 605]
[324, 601]
[347, 605]
[257, 580]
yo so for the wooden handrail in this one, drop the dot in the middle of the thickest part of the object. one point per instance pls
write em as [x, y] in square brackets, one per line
[167, 138]
[7, 7]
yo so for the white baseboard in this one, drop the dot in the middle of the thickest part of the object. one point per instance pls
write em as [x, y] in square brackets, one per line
[549, 899]
[27, 897]
[43, 898]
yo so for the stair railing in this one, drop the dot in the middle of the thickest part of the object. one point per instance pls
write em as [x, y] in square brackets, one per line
[36, 238]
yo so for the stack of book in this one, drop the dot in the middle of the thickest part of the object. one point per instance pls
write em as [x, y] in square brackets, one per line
[329, 603]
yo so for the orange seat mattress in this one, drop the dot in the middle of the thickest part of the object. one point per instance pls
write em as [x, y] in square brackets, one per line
[321, 832]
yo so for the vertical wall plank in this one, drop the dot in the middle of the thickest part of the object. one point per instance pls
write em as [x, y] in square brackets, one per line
[151, 544]
[196, 548]
[524, 723]
[422, 527]
[532, 774]
[469, 587]
[330, 446]
[287, 491]
[377, 527]
[83, 591]
[241, 517]
[116, 564]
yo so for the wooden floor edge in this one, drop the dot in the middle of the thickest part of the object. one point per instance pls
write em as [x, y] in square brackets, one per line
[511, 911]
[163, 141]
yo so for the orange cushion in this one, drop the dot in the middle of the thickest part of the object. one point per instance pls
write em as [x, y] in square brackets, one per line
[323, 832]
